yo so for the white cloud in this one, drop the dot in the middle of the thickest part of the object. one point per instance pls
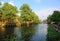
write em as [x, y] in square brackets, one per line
[44, 13]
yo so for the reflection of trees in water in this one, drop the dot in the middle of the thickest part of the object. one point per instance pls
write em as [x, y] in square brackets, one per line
[8, 34]
[1, 34]
[27, 32]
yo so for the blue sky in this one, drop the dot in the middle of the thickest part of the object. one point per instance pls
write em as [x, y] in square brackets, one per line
[43, 8]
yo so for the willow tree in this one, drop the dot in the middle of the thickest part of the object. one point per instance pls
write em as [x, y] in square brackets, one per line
[27, 14]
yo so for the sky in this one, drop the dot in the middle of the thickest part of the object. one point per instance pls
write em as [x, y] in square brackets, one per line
[43, 8]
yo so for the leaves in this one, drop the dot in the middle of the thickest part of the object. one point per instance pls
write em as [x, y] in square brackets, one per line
[9, 11]
[55, 17]
[27, 14]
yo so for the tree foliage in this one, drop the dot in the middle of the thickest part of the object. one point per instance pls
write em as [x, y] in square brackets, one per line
[9, 11]
[27, 14]
[49, 19]
[55, 17]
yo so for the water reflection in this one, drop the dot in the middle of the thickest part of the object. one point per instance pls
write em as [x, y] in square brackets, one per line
[24, 33]
[40, 33]
[27, 32]
[7, 34]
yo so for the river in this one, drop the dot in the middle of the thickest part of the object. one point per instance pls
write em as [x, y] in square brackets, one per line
[24, 33]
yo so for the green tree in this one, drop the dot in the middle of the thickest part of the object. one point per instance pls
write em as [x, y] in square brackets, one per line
[27, 14]
[56, 16]
[9, 11]
[49, 19]
[0, 10]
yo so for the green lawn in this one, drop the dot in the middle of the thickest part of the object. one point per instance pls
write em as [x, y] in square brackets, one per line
[53, 35]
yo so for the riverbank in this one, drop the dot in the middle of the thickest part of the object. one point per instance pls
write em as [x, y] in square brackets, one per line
[57, 27]
[53, 35]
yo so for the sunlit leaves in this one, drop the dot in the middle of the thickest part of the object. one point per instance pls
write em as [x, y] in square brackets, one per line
[8, 10]
[27, 14]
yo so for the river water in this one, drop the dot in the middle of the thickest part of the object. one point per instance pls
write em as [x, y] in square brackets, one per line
[24, 33]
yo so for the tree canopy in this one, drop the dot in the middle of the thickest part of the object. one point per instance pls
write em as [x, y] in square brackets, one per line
[55, 17]
[27, 14]
[9, 11]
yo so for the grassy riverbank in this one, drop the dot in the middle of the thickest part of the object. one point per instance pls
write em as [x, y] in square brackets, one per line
[53, 35]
